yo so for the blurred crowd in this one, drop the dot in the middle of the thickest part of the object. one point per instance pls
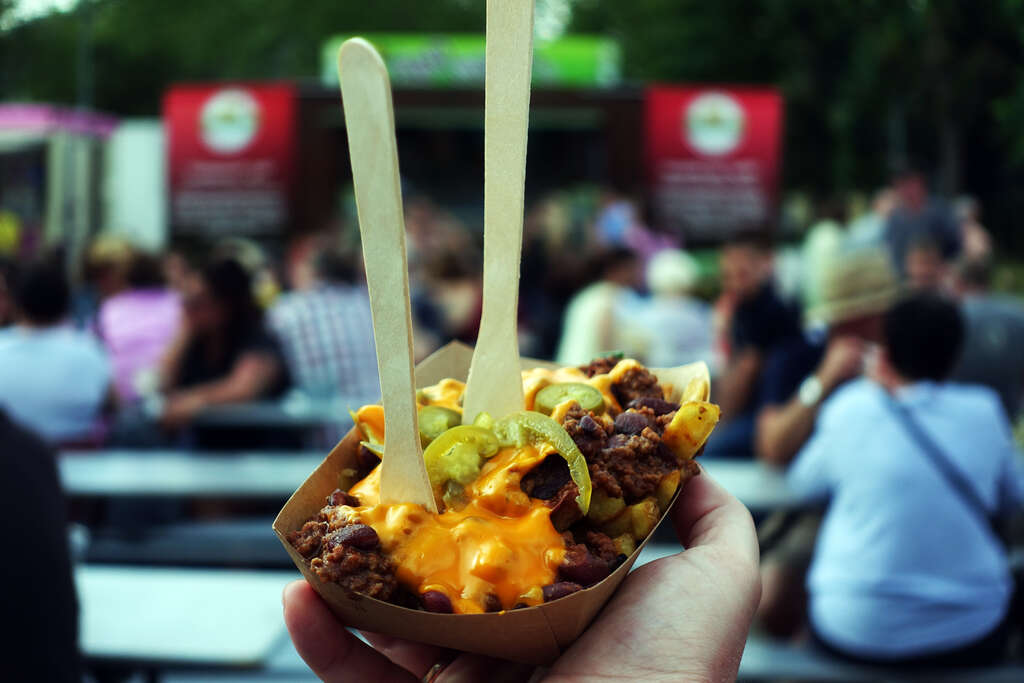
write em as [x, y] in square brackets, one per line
[871, 358]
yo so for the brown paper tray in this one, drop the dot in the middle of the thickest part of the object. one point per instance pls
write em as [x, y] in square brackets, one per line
[535, 635]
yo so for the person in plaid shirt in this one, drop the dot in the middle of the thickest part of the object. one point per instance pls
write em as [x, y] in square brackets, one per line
[325, 328]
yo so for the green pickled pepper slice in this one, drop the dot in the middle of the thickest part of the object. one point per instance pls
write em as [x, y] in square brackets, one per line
[457, 455]
[533, 428]
[550, 396]
[435, 421]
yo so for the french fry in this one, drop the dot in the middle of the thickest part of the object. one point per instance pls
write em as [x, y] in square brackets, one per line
[643, 518]
[622, 523]
[690, 428]
[667, 488]
[603, 507]
[624, 544]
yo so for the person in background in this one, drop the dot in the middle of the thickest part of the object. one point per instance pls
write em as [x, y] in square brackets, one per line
[799, 377]
[594, 315]
[802, 373]
[918, 217]
[759, 324]
[868, 229]
[105, 273]
[823, 239]
[673, 327]
[449, 297]
[993, 352]
[40, 595]
[976, 239]
[223, 353]
[176, 265]
[54, 380]
[252, 256]
[7, 270]
[137, 325]
[907, 569]
[325, 328]
[925, 268]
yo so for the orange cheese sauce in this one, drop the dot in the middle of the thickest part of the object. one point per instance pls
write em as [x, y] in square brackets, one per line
[445, 393]
[501, 543]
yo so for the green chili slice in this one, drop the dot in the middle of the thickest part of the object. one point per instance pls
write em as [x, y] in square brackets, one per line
[435, 421]
[550, 396]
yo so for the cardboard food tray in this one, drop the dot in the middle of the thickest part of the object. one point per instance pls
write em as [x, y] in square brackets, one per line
[535, 635]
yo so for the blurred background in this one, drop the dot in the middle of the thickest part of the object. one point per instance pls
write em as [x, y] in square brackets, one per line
[183, 320]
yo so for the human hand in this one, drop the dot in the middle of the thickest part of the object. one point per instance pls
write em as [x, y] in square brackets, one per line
[844, 359]
[683, 617]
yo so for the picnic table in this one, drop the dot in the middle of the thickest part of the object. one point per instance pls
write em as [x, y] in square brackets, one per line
[152, 618]
[184, 474]
[294, 411]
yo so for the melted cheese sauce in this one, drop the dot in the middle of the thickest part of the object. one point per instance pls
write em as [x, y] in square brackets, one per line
[501, 542]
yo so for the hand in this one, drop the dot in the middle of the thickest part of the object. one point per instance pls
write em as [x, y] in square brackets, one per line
[844, 359]
[683, 617]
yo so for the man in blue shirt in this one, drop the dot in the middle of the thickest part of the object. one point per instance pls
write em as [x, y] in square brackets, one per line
[54, 380]
[906, 569]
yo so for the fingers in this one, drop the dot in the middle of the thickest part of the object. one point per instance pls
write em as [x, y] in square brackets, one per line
[414, 657]
[327, 647]
[707, 514]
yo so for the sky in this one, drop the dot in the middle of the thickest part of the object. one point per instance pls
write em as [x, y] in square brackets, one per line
[26, 10]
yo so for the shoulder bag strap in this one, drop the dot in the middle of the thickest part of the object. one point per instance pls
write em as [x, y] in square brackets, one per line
[950, 472]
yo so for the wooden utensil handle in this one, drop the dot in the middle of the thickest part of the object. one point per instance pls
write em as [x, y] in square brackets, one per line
[495, 382]
[370, 122]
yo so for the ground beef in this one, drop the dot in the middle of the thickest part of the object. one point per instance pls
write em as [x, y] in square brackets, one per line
[599, 366]
[367, 572]
[346, 553]
[636, 463]
[306, 540]
[636, 383]
[601, 545]
[588, 433]
[565, 511]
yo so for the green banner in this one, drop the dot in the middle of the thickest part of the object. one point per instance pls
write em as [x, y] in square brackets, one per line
[455, 60]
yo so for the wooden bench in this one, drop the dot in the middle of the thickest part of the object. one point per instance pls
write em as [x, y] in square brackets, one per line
[766, 659]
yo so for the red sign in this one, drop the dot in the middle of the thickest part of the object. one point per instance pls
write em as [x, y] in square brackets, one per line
[230, 153]
[713, 158]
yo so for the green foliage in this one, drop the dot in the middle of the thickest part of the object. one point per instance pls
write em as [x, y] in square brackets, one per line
[140, 46]
[864, 81]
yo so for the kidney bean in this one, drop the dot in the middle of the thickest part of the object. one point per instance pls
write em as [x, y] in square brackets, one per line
[659, 405]
[436, 601]
[631, 422]
[589, 426]
[355, 535]
[492, 603]
[583, 568]
[339, 497]
[554, 591]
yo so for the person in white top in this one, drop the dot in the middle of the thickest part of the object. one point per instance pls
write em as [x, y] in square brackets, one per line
[54, 380]
[906, 568]
[672, 327]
